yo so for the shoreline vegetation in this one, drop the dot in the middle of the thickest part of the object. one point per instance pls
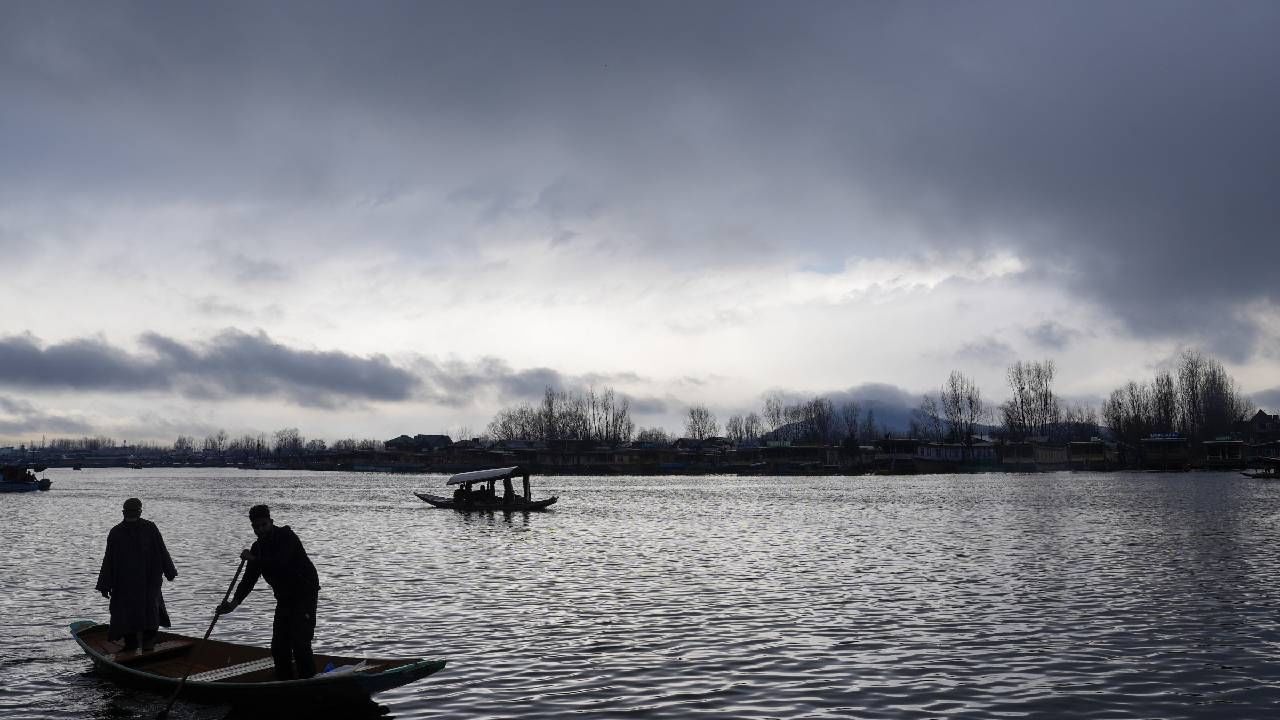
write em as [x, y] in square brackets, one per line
[1188, 417]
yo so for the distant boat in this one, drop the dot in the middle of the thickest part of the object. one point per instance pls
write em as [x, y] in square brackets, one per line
[243, 675]
[468, 497]
[14, 478]
[1269, 469]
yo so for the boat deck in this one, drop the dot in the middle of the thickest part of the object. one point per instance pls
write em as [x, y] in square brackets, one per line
[214, 661]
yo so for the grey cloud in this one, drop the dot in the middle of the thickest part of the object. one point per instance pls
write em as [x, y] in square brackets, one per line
[456, 383]
[251, 271]
[233, 364]
[217, 307]
[891, 404]
[20, 417]
[1126, 149]
[1268, 400]
[85, 364]
[1051, 334]
[649, 405]
[987, 351]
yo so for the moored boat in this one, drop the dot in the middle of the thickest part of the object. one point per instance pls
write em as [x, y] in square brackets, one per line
[15, 478]
[1268, 468]
[475, 491]
[239, 675]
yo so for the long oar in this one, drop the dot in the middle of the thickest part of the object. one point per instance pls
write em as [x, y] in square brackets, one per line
[191, 663]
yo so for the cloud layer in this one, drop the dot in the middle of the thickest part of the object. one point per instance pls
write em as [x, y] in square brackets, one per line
[233, 364]
[569, 193]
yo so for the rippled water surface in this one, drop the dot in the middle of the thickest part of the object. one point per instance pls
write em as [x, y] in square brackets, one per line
[966, 596]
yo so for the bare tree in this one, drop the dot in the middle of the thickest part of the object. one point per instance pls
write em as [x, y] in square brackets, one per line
[928, 419]
[870, 429]
[288, 441]
[1081, 423]
[847, 414]
[734, 428]
[1208, 400]
[774, 411]
[655, 435]
[963, 407]
[701, 423]
[1032, 408]
[1164, 404]
[752, 428]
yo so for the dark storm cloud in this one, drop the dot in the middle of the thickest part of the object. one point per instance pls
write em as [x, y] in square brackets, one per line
[19, 417]
[233, 364]
[1127, 150]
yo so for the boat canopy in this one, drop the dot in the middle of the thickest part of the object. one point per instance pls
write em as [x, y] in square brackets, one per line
[476, 476]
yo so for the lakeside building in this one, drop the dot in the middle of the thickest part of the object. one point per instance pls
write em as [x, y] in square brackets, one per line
[1165, 451]
[1224, 454]
[936, 457]
[1093, 454]
[717, 455]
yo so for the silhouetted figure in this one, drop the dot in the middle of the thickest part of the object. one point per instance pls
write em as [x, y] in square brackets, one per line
[508, 492]
[278, 556]
[132, 567]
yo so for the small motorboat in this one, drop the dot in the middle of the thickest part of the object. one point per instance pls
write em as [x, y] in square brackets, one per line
[475, 491]
[241, 675]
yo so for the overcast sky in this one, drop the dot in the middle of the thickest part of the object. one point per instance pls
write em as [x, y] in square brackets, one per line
[367, 219]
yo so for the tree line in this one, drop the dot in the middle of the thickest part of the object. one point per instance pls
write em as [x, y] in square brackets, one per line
[1197, 399]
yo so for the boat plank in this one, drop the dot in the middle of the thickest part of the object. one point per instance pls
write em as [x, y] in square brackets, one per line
[234, 670]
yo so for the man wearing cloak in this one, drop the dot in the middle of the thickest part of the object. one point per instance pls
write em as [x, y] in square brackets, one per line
[132, 566]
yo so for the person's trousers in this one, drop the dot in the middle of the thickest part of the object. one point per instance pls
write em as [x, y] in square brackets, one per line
[291, 634]
[148, 638]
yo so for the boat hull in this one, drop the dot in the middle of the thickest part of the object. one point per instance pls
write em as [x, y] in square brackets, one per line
[161, 671]
[518, 506]
[15, 487]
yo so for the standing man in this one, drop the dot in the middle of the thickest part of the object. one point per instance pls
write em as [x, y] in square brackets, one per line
[278, 556]
[132, 566]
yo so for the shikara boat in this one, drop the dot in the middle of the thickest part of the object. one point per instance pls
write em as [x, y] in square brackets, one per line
[475, 491]
[241, 675]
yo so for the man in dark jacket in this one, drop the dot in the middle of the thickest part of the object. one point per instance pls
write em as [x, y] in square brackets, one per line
[132, 566]
[278, 556]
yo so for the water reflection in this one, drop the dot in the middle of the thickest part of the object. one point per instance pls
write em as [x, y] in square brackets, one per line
[1089, 596]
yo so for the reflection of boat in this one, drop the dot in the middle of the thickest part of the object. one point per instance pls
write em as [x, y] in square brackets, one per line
[14, 478]
[240, 675]
[466, 496]
[1268, 469]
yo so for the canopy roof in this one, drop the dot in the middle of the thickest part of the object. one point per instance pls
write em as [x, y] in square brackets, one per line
[476, 476]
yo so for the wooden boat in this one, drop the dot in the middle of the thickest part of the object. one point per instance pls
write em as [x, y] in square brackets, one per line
[469, 497]
[229, 673]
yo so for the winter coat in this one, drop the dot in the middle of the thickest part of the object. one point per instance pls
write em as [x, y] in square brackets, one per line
[280, 558]
[132, 567]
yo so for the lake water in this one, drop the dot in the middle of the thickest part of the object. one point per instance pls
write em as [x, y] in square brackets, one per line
[963, 596]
